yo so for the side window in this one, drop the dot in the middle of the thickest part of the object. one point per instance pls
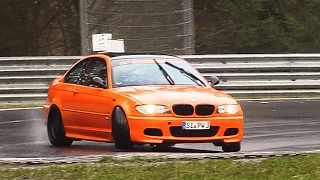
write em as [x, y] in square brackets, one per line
[95, 68]
[74, 74]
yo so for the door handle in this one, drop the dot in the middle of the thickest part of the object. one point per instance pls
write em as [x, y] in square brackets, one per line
[76, 91]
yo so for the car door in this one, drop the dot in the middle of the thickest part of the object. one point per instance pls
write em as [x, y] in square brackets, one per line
[94, 103]
[69, 94]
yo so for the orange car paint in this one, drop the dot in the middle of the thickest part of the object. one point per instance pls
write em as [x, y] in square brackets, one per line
[87, 111]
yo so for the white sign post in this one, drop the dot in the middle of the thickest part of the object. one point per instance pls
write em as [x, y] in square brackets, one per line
[105, 43]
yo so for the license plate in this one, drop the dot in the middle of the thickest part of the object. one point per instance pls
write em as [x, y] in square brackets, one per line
[195, 125]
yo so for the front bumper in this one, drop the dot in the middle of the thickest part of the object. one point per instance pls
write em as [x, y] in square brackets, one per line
[171, 130]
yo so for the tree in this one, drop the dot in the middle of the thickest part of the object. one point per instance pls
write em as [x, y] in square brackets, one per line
[256, 26]
[35, 27]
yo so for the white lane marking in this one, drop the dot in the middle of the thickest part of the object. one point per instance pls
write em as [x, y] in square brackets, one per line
[22, 120]
[17, 109]
[277, 99]
[264, 102]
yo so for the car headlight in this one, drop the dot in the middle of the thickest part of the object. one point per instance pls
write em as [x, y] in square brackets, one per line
[230, 109]
[153, 109]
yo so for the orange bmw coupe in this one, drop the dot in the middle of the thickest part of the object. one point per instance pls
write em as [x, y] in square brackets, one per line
[137, 99]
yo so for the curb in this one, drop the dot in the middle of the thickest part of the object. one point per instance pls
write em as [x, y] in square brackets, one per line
[150, 156]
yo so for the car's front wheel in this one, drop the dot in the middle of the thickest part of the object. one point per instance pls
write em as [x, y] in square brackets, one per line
[231, 147]
[55, 129]
[120, 130]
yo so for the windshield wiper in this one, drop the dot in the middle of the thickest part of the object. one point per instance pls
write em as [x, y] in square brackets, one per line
[165, 73]
[187, 74]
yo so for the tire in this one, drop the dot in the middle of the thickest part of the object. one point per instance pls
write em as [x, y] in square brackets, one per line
[231, 147]
[120, 130]
[55, 129]
[217, 143]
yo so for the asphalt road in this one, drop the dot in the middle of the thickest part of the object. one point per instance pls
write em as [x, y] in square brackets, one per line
[270, 126]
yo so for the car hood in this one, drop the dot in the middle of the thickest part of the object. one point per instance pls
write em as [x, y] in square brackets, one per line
[177, 94]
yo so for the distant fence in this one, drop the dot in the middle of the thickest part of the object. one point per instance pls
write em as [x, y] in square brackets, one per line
[25, 79]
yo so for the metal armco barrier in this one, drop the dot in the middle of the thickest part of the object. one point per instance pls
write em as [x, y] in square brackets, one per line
[25, 79]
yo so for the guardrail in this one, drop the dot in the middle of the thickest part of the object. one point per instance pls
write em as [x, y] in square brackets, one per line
[25, 79]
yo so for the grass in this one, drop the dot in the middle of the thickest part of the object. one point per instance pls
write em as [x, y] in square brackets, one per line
[282, 168]
[22, 105]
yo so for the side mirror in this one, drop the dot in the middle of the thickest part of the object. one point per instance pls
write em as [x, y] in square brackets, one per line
[98, 82]
[213, 80]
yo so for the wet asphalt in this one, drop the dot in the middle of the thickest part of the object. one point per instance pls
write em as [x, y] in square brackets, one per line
[270, 126]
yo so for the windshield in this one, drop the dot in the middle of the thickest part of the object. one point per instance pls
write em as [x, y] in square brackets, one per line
[139, 72]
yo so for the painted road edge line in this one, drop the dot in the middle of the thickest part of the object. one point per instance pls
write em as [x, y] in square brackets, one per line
[277, 99]
[18, 109]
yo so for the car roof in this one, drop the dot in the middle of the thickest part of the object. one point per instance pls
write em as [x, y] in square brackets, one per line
[115, 56]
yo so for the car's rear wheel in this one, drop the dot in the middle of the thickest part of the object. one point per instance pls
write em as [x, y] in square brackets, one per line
[231, 147]
[120, 130]
[55, 129]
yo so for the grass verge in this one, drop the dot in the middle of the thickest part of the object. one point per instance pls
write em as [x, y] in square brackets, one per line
[298, 167]
[22, 105]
